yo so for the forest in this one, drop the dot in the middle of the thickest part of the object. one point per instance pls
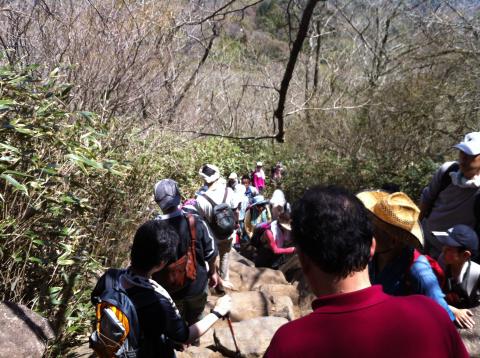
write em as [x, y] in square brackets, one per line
[99, 99]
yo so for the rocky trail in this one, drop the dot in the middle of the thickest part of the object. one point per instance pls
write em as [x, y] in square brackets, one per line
[265, 299]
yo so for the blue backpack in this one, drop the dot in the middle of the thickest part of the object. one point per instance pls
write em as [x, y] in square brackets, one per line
[117, 330]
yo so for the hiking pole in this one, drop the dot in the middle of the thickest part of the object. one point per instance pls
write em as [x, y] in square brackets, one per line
[237, 351]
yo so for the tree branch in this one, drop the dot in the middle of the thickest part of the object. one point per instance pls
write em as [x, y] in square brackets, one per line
[297, 46]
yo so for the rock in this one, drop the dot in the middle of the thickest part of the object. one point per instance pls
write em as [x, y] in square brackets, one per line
[24, 333]
[198, 352]
[280, 290]
[253, 336]
[471, 337]
[235, 256]
[82, 351]
[247, 305]
[251, 304]
[247, 278]
[282, 306]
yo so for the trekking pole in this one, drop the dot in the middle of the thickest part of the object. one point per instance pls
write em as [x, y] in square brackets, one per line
[237, 351]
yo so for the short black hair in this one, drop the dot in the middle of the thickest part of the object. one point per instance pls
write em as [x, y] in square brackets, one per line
[245, 177]
[331, 226]
[153, 243]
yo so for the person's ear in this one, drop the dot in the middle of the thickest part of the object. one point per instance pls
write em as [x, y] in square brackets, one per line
[467, 254]
[373, 246]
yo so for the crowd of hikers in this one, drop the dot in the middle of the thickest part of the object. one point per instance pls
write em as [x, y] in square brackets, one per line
[391, 278]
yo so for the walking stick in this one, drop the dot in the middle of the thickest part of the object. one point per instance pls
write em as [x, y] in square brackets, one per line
[237, 351]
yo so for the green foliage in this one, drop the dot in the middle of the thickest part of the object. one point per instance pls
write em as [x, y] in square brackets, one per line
[52, 164]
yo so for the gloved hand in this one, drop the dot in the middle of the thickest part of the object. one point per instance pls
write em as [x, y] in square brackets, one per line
[224, 305]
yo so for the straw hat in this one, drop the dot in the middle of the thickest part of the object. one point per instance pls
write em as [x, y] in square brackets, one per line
[397, 210]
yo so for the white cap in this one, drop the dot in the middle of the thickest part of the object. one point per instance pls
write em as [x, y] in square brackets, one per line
[233, 176]
[259, 164]
[470, 144]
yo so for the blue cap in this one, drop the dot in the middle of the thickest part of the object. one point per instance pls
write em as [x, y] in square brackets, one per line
[458, 236]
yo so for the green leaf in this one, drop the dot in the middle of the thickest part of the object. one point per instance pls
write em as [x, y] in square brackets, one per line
[35, 259]
[9, 147]
[15, 183]
[6, 103]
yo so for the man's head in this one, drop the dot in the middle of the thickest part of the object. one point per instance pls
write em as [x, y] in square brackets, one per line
[209, 173]
[166, 194]
[259, 165]
[154, 244]
[468, 156]
[331, 227]
[395, 219]
[460, 243]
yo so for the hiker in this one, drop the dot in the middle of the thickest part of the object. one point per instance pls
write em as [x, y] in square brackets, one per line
[273, 242]
[207, 203]
[250, 190]
[398, 234]
[277, 173]
[460, 244]
[191, 296]
[258, 177]
[257, 213]
[351, 318]
[278, 204]
[449, 198]
[154, 245]
[396, 265]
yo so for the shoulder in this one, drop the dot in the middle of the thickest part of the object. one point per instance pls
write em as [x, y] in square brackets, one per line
[447, 166]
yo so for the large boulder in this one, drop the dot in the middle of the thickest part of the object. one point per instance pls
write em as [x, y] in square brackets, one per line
[235, 256]
[24, 333]
[247, 278]
[251, 304]
[471, 337]
[253, 336]
[276, 290]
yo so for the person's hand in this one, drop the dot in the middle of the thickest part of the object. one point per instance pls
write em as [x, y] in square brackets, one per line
[223, 305]
[464, 318]
[214, 280]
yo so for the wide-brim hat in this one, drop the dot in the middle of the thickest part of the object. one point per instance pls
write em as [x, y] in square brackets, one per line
[397, 210]
[259, 200]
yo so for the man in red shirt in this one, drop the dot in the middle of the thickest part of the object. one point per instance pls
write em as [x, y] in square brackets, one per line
[352, 318]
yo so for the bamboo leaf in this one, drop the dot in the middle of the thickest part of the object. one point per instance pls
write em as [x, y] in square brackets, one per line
[15, 183]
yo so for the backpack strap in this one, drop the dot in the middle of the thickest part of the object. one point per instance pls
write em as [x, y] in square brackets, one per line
[209, 199]
[191, 254]
[225, 195]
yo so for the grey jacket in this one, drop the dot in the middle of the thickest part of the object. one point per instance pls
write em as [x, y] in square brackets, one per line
[450, 206]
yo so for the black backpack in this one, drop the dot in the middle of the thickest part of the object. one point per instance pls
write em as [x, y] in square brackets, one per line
[117, 329]
[223, 218]
[258, 232]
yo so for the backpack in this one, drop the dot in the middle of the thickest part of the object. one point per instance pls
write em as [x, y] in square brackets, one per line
[436, 268]
[258, 232]
[117, 330]
[223, 218]
[176, 275]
